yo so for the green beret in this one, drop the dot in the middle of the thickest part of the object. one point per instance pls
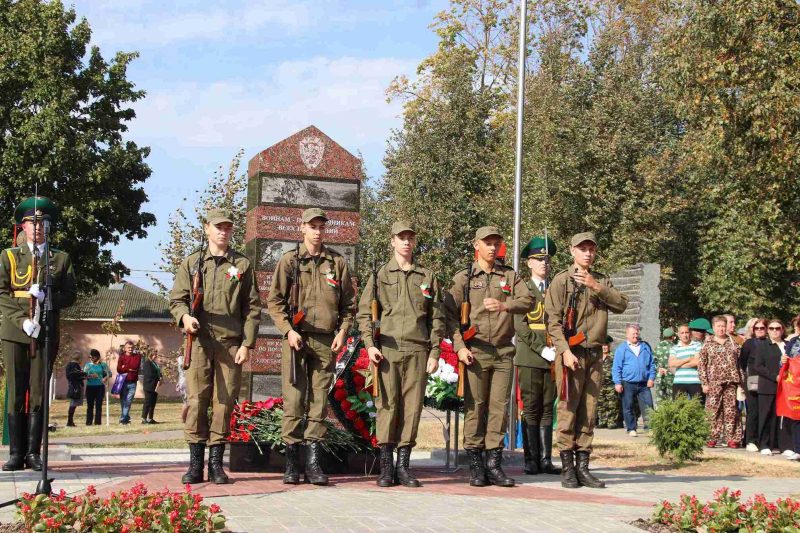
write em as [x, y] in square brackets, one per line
[36, 205]
[539, 246]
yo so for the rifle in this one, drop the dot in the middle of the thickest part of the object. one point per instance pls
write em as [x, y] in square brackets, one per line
[296, 315]
[467, 330]
[376, 329]
[195, 304]
[573, 336]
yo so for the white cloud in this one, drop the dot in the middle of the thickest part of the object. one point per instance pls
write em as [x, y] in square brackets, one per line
[345, 93]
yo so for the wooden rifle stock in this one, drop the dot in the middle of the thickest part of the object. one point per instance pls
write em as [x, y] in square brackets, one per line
[296, 315]
[197, 301]
[376, 334]
[467, 332]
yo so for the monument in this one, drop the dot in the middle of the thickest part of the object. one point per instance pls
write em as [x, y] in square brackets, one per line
[307, 169]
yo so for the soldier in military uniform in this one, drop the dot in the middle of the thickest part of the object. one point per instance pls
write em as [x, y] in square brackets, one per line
[533, 361]
[19, 286]
[224, 332]
[327, 298]
[609, 403]
[496, 293]
[411, 327]
[579, 367]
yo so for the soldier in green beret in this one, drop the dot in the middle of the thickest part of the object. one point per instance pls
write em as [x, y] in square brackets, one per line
[579, 358]
[411, 328]
[327, 299]
[496, 293]
[21, 290]
[224, 331]
[533, 359]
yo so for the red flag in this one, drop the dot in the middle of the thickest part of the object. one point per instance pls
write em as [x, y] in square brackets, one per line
[787, 401]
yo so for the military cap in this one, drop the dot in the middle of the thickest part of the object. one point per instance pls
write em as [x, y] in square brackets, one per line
[667, 333]
[583, 237]
[36, 205]
[400, 226]
[701, 324]
[487, 231]
[539, 247]
[218, 216]
[313, 212]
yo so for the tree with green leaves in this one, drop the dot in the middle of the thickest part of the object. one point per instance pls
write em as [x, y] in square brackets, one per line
[64, 111]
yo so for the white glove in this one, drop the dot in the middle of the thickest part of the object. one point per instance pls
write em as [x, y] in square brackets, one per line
[548, 354]
[36, 292]
[31, 328]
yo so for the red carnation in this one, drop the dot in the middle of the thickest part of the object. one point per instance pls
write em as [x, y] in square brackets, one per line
[340, 394]
[339, 383]
[346, 405]
[358, 423]
[363, 360]
[358, 381]
[374, 442]
[350, 414]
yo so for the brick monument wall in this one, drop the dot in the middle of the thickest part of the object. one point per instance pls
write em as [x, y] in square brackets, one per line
[305, 170]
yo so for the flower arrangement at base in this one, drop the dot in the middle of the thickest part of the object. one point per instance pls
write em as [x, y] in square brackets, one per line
[726, 512]
[351, 398]
[126, 511]
[440, 392]
[261, 422]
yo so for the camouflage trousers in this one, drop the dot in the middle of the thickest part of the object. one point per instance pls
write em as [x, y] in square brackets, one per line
[609, 403]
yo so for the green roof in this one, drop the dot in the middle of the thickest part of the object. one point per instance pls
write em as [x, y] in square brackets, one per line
[140, 304]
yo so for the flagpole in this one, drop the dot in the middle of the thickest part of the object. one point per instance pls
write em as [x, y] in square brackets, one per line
[523, 38]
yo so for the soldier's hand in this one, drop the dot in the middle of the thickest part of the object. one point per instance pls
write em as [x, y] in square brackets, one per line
[432, 366]
[584, 277]
[569, 360]
[338, 341]
[242, 355]
[375, 355]
[492, 304]
[465, 356]
[190, 325]
[618, 388]
[295, 340]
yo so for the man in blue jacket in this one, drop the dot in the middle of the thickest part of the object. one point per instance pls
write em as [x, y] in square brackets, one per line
[634, 373]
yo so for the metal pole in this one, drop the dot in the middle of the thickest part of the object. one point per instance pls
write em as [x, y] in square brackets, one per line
[523, 44]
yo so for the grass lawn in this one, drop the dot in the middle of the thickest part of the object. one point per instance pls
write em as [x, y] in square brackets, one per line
[168, 412]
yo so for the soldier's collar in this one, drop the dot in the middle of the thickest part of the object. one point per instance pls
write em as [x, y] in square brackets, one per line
[323, 252]
[394, 266]
[228, 255]
[497, 268]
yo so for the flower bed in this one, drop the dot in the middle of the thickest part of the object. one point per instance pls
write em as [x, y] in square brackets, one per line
[440, 392]
[726, 512]
[124, 512]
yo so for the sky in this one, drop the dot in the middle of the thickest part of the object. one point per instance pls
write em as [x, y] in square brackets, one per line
[223, 76]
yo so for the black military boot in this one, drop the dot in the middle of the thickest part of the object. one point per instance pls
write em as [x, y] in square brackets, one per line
[35, 426]
[568, 479]
[71, 416]
[403, 472]
[546, 465]
[16, 449]
[585, 477]
[386, 479]
[291, 476]
[197, 456]
[494, 469]
[533, 450]
[314, 473]
[216, 474]
[477, 473]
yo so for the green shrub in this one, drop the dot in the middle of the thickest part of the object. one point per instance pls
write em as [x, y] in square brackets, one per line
[679, 428]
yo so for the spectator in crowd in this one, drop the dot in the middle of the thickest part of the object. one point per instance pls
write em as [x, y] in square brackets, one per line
[634, 373]
[97, 374]
[755, 332]
[700, 327]
[75, 377]
[151, 378]
[721, 377]
[129, 363]
[683, 358]
[792, 351]
[795, 328]
[767, 364]
[730, 323]
[664, 377]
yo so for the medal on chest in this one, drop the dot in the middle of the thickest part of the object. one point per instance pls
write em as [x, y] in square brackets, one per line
[233, 274]
[504, 286]
[330, 279]
[426, 291]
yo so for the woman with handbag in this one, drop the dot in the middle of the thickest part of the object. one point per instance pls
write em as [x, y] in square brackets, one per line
[75, 377]
[767, 364]
[97, 373]
[755, 333]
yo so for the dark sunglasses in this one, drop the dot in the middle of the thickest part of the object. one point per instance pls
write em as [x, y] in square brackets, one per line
[774, 328]
[759, 328]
